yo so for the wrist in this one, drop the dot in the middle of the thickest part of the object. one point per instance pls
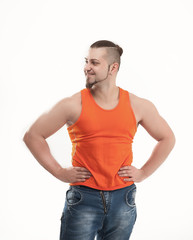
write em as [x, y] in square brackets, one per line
[57, 171]
[143, 173]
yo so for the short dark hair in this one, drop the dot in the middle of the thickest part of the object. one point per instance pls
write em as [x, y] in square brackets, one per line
[113, 50]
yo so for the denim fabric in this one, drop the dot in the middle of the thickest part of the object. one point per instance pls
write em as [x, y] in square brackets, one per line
[90, 213]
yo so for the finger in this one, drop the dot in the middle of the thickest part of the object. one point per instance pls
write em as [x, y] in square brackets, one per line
[129, 179]
[80, 168]
[123, 175]
[83, 178]
[83, 170]
[86, 171]
[88, 175]
[126, 173]
[123, 171]
[124, 168]
[85, 175]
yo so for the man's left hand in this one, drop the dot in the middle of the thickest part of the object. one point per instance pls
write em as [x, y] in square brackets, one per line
[132, 173]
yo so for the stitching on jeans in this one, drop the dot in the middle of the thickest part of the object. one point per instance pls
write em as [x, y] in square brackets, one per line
[81, 197]
[110, 197]
[132, 189]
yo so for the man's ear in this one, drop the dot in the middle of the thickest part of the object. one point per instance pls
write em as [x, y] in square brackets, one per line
[115, 66]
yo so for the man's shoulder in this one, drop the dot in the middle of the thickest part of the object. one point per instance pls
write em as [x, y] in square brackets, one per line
[75, 97]
[75, 100]
[141, 106]
[139, 101]
[135, 99]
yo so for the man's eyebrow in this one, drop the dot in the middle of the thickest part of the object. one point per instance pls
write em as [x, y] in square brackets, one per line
[92, 59]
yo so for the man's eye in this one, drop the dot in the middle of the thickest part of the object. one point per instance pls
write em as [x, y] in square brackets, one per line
[92, 62]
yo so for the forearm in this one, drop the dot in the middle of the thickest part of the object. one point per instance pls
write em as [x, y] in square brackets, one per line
[158, 156]
[41, 151]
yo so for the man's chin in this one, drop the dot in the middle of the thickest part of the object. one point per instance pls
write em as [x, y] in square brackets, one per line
[89, 85]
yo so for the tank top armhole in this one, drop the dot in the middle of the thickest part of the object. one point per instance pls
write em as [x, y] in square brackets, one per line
[129, 101]
[79, 118]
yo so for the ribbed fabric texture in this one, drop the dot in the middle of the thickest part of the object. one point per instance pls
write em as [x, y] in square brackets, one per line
[102, 141]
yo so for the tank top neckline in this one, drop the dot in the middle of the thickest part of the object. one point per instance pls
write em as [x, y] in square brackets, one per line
[106, 110]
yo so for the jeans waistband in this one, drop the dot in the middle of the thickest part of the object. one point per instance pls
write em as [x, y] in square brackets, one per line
[94, 189]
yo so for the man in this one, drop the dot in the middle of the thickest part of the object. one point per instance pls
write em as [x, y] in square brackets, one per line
[102, 120]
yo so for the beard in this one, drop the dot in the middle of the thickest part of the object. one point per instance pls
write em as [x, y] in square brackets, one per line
[89, 85]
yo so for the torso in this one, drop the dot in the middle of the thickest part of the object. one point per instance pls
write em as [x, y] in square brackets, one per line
[77, 107]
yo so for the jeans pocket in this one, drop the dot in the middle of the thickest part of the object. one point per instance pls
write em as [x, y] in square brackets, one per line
[130, 196]
[73, 197]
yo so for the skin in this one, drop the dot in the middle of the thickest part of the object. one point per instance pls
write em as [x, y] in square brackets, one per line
[100, 77]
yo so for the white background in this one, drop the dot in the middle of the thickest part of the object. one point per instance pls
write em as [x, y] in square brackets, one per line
[42, 50]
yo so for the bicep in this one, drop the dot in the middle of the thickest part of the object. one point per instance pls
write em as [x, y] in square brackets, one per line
[51, 121]
[153, 122]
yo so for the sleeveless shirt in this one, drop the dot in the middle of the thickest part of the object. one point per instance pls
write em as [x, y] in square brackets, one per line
[102, 141]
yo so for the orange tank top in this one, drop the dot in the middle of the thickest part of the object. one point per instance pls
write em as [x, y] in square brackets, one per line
[102, 141]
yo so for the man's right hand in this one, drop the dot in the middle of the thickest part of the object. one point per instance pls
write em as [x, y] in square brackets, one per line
[73, 174]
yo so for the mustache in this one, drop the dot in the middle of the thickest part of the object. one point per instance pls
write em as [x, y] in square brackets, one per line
[90, 73]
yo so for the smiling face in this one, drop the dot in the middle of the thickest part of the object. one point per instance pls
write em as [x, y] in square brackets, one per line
[96, 67]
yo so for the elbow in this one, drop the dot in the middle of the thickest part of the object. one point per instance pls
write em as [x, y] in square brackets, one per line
[25, 137]
[31, 136]
[172, 140]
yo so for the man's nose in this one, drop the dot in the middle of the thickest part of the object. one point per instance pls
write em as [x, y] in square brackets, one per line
[87, 67]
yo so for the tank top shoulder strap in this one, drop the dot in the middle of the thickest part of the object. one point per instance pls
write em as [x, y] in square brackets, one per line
[85, 97]
[128, 100]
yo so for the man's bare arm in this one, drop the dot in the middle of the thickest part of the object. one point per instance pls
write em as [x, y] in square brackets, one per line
[46, 125]
[158, 128]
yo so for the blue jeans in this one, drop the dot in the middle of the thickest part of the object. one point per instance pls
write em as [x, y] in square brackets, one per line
[89, 212]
